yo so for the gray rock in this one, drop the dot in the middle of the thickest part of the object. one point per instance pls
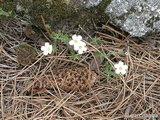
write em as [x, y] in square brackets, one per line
[138, 17]
[92, 3]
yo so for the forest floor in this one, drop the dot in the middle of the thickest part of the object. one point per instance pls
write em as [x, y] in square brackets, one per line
[135, 95]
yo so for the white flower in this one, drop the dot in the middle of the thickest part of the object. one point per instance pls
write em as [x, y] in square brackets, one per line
[80, 47]
[47, 48]
[78, 44]
[75, 39]
[120, 68]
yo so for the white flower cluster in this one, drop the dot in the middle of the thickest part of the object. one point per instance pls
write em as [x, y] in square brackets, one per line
[76, 41]
[78, 44]
[80, 47]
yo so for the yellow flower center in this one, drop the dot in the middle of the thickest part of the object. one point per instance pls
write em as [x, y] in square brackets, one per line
[75, 41]
[48, 49]
[120, 68]
[80, 47]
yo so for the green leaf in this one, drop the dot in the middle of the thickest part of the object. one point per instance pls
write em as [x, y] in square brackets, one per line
[99, 55]
[108, 70]
[95, 40]
[2, 12]
[48, 26]
[74, 56]
[64, 38]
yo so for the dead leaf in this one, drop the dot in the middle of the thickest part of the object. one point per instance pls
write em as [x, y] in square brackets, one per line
[95, 63]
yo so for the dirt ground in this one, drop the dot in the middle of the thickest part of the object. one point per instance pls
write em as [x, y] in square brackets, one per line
[134, 96]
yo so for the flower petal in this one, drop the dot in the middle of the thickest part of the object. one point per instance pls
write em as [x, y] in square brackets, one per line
[121, 63]
[49, 52]
[116, 66]
[117, 71]
[79, 38]
[123, 72]
[85, 49]
[80, 51]
[125, 67]
[76, 47]
[45, 52]
[43, 48]
[71, 42]
[50, 49]
[82, 43]
[74, 37]
[46, 44]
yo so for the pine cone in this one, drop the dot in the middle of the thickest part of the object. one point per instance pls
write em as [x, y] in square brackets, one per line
[75, 78]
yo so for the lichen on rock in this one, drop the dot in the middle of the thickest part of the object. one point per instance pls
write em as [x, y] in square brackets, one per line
[138, 17]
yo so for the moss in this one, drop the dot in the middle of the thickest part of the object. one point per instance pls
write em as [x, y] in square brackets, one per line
[8, 5]
[6, 8]
[98, 13]
[27, 46]
[57, 11]
[53, 12]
